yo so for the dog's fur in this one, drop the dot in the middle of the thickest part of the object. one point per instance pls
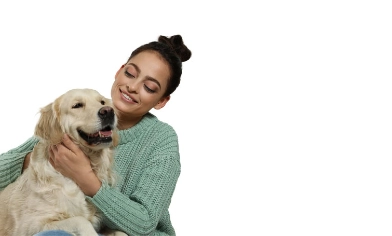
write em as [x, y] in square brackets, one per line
[41, 198]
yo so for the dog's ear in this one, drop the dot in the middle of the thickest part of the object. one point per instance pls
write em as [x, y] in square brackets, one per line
[48, 126]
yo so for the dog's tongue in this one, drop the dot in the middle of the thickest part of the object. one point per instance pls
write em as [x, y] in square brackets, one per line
[105, 133]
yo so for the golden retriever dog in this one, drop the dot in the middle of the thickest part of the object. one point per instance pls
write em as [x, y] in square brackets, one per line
[43, 199]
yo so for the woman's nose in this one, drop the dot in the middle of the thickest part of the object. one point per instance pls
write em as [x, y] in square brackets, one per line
[133, 87]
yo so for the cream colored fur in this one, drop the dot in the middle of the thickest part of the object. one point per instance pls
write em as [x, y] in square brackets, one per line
[41, 198]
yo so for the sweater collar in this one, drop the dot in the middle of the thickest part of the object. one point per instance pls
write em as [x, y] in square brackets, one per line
[135, 131]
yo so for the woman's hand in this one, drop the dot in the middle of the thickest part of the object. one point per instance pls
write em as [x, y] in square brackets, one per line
[68, 159]
[26, 162]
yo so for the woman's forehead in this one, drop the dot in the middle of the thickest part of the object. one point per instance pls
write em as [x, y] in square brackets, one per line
[152, 64]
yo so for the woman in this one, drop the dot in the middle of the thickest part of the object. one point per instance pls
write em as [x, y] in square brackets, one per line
[147, 157]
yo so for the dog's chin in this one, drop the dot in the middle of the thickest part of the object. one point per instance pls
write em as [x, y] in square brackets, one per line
[102, 137]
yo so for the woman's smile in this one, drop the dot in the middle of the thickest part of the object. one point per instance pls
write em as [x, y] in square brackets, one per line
[128, 98]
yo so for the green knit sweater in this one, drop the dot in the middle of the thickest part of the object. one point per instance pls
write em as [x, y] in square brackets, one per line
[147, 162]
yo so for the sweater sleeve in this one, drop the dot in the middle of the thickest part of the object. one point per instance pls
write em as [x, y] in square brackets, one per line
[139, 213]
[11, 162]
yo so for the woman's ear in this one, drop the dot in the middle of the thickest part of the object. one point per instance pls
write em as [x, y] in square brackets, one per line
[119, 71]
[162, 103]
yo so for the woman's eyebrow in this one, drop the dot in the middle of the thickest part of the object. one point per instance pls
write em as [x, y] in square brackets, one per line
[153, 80]
[147, 77]
[136, 67]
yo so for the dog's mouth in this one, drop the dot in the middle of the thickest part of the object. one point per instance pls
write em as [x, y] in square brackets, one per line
[102, 136]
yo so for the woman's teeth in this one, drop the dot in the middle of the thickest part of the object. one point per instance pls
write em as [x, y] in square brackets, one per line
[127, 97]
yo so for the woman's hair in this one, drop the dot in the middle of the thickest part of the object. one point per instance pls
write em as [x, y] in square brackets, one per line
[174, 52]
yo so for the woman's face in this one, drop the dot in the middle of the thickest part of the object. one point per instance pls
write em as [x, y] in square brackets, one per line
[140, 84]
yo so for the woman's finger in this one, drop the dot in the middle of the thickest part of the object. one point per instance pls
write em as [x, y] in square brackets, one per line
[51, 161]
[68, 143]
[51, 151]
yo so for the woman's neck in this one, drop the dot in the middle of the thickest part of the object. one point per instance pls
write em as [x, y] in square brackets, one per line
[127, 122]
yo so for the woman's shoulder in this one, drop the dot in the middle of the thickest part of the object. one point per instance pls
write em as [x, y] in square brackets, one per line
[28, 145]
[150, 127]
[160, 125]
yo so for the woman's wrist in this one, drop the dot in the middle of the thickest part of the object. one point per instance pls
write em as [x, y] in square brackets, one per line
[89, 184]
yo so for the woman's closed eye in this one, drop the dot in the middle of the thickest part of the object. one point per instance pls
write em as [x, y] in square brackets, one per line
[128, 74]
[149, 90]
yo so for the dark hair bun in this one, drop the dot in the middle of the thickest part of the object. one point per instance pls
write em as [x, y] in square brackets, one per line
[177, 44]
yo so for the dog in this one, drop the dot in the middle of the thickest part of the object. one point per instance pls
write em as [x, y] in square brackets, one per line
[43, 199]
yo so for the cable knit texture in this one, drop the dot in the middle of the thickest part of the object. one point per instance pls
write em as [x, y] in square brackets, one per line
[11, 162]
[147, 162]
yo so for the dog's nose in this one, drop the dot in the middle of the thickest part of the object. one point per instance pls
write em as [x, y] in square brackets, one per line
[106, 113]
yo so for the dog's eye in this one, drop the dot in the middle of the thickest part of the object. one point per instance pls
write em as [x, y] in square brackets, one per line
[77, 105]
[103, 102]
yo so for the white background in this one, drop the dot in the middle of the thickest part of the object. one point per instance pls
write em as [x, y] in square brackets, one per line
[283, 113]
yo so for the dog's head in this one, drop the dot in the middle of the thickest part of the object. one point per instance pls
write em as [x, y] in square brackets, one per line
[84, 114]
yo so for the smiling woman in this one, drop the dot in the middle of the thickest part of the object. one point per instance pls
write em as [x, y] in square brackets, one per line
[147, 156]
[138, 86]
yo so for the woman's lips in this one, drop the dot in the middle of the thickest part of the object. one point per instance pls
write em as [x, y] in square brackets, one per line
[128, 98]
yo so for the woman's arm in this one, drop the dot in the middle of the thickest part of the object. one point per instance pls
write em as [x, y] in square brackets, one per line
[139, 213]
[26, 161]
[12, 163]
[139, 206]
[70, 161]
